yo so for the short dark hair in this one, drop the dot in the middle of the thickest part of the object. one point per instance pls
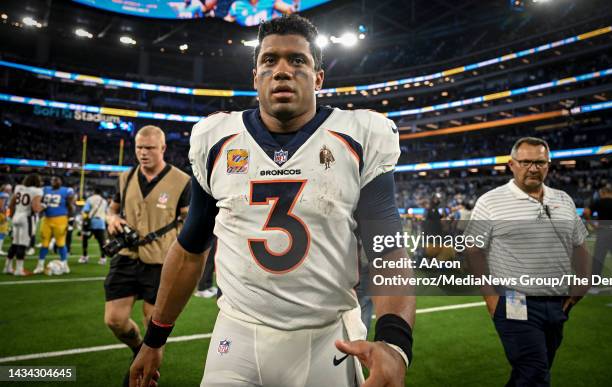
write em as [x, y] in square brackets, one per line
[97, 190]
[291, 25]
[531, 141]
[32, 180]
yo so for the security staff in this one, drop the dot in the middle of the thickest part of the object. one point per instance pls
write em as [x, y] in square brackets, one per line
[150, 199]
[529, 229]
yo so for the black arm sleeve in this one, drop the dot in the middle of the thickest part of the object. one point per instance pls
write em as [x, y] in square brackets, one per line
[377, 213]
[184, 199]
[197, 233]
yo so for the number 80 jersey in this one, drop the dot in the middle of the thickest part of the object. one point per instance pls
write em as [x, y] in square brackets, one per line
[287, 254]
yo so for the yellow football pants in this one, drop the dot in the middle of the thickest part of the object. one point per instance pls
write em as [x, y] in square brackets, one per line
[57, 227]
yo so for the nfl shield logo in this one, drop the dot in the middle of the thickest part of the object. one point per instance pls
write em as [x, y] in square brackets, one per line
[281, 156]
[224, 346]
[163, 198]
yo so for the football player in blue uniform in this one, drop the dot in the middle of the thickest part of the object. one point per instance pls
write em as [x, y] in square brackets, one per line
[5, 197]
[254, 12]
[58, 202]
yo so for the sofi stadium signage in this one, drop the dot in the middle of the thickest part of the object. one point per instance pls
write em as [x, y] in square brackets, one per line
[74, 115]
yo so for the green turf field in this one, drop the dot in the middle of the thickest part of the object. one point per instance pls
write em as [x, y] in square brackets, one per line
[452, 347]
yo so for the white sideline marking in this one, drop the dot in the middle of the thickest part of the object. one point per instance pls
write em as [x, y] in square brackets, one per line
[450, 307]
[447, 307]
[77, 351]
[50, 281]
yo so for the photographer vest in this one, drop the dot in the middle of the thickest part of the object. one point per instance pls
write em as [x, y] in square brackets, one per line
[155, 211]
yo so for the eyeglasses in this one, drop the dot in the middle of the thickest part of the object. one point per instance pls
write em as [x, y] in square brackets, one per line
[539, 164]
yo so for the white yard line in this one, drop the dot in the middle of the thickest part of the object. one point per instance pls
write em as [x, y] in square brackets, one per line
[77, 351]
[450, 307]
[51, 281]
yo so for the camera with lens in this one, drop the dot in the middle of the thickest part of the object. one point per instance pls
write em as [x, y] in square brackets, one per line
[125, 239]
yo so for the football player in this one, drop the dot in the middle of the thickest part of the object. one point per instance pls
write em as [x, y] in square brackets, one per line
[58, 203]
[253, 12]
[5, 196]
[26, 201]
[285, 214]
[193, 9]
[94, 214]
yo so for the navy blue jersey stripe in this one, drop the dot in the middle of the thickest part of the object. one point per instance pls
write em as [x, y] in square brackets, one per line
[355, 146]
[213, 155]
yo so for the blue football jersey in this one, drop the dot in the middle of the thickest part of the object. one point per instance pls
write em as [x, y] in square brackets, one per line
[56, 200]
[247, 14]
[6, 197]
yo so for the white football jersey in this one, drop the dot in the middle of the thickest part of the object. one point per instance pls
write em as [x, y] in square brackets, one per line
[23, 199]
[286, 251]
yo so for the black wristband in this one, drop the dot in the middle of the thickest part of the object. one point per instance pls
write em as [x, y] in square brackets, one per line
[393, 329]
[157, 334]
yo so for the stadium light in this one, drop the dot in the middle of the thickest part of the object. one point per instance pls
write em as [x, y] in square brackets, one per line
[348, 39]
[183, 47]
[4, 16]
[127, 40]
[31, 22]
[82, 33]
[251, 43]
[322, 41]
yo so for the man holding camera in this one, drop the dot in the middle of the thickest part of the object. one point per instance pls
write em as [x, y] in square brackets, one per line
[143, 222]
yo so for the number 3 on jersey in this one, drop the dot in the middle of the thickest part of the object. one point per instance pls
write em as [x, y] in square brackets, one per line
[283, 194]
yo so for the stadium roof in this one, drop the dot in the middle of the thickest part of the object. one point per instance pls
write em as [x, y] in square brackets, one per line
[398, 34]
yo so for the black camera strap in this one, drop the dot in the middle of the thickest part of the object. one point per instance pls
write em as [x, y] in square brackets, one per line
[150, 237]
[124, 192]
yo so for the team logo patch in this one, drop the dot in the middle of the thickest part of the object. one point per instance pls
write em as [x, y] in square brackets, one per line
[237, 161]
[326, 157]
[163, 198]
[281, 156]
[224, 347]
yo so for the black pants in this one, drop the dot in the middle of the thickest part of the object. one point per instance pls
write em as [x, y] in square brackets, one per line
[531, 345]
[132, 277]
[100, 236]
